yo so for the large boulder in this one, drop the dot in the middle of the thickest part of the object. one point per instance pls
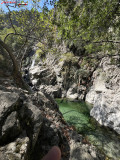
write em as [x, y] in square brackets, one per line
[5, 64]
[42, 75]
[20, 123]
[9, 123]
[54, 91]
[105, 95]
[76, 92]
[45, 78]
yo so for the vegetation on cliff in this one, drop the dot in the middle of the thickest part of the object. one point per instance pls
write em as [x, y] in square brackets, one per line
[90, 29]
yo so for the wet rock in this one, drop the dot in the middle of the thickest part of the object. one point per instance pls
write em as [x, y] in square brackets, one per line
[90, 97]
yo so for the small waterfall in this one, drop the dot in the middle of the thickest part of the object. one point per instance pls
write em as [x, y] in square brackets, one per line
[33, 61]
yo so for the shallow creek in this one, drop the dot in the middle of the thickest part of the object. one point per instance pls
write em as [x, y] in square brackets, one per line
[78, 115]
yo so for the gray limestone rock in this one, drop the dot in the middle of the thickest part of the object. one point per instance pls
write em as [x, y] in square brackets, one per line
[35, 124]
[81, 151]
[11, 128]
[18, 115]
[72, 92]
[42, 75]
[9, 124]
[31, 120]
[54, 91]
[16, 150]
[105, 95]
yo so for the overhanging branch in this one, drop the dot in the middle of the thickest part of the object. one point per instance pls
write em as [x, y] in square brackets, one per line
[18, 34]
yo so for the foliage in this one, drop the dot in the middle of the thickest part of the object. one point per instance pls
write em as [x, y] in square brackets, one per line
[69, 57]
[25, 28]
[40, 49]
[13, 41]
[94, 24]
[89, 26]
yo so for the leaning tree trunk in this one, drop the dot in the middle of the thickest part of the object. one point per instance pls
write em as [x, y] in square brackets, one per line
[16, 73]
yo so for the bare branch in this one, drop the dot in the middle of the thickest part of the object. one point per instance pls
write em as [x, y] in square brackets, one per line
[11, 19]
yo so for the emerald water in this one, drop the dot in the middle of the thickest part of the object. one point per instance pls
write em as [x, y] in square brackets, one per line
[78, 115]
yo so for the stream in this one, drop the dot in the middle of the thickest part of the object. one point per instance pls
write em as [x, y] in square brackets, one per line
[78, 114]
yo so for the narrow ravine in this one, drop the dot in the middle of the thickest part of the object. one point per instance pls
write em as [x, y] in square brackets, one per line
[78, 115]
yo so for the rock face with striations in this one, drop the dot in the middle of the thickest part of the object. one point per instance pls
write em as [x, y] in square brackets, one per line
[105, 94]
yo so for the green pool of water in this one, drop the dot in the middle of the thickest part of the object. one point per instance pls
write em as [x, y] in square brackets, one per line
[78, 114]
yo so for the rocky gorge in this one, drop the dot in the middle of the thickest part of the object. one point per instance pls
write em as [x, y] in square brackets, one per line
[60, 80]
[28, 121]
[30, 124]
[99, 85]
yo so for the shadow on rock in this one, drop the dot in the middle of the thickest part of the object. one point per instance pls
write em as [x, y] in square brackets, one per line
[50, 136]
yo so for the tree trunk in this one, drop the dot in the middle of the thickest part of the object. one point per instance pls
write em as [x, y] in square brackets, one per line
[16, 73]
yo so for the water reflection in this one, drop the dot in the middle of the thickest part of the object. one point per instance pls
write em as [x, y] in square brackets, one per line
[78, 114]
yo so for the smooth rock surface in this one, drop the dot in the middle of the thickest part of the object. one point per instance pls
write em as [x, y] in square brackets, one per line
[105, 95]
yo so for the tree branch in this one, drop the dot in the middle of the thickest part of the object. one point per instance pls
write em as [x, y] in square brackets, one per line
[18, 34]
[16, 73]
[107, 41]
[11, 19]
